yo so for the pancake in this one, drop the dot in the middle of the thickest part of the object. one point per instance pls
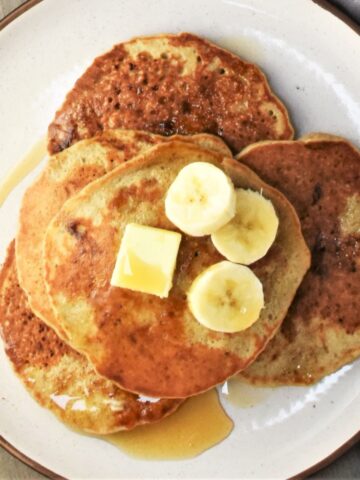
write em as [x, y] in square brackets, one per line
[144, 343]
[61, 379]
[169, 84]
[320, 175]
[64, 175]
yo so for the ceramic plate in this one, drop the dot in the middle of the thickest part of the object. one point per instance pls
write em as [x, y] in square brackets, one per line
[312, 61]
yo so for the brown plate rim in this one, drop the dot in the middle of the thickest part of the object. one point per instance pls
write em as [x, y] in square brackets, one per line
[305, 473]
[326, 5]
[29, 461]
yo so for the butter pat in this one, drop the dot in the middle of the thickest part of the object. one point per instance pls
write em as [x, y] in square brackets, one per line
[146, 260]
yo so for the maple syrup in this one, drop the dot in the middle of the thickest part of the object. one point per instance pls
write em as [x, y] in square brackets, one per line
[35, 155]
[198, 424]
[241, 394]
[246, 47]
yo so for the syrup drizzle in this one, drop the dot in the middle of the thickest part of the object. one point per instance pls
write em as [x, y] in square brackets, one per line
[243, 395]
[247, 47]
[199, 424]
[22, 169]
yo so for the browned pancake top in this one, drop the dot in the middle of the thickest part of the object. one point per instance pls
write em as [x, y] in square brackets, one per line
[171, 84]
[50, 369]
[66, 174]
[318, 178]
[145, 343]
[321, 178]
[28, 340]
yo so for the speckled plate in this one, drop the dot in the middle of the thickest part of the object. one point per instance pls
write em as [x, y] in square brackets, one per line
[312, 60]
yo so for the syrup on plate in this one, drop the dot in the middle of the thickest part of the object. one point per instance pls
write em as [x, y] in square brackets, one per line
[23, 168]
[243, 395]
[246, 47]
[198, 424]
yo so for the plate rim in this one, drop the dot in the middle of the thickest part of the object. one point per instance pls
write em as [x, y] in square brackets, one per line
[17, 454]
[37, 467]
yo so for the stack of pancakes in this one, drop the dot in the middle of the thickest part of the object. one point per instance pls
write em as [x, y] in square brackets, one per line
[106, 359]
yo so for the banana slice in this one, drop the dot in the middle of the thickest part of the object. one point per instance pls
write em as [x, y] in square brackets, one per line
[226, 297]
[201, 199]
[250, 234]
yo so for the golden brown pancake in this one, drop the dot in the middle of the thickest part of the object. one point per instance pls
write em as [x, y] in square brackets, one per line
[61, 379]
[144, 343]
[320, 175]
[65, 174]
[169, 84]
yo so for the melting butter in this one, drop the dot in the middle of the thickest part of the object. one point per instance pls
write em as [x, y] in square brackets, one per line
[146, 260]
[139, 275]
[35, 155]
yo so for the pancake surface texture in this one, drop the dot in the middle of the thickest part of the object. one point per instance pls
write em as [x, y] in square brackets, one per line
[171, 84]
[65, 174]
[59, 378]
[146, 344]
[320, 175]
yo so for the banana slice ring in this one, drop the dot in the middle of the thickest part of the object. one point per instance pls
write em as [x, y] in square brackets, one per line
[226, 297]
[251, 232]
[201, 199]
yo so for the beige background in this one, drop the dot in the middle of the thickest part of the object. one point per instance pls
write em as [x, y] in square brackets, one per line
[346, 467]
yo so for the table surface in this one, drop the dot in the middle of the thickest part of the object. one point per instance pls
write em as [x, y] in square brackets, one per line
[345, 467]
